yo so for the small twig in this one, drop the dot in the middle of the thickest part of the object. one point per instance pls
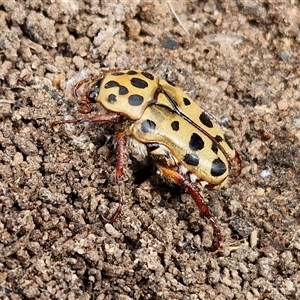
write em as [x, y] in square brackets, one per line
[176, 16]
[7, 101]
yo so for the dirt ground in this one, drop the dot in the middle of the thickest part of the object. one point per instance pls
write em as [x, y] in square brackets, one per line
[240, 59]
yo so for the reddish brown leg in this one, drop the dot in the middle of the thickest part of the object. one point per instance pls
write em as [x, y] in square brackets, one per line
[81, 82]
[102, 118]
[180, 180]
[85, 106]
[237, 164]
[91, 78]
[120, 141]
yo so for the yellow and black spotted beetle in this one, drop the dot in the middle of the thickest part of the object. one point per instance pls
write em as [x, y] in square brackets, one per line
[186, 143]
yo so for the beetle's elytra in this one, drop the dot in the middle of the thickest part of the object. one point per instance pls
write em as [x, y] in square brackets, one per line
[161, 121]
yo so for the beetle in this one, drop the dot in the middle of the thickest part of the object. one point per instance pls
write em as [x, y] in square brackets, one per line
[158, 119]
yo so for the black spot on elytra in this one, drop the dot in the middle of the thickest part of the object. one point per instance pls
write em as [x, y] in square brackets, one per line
[214, 147]
[218, 168]
[135, 100]
[205, 120]
[148, 126]
[139, 83]
[132, 72]
[186, 101]
[112, 98]
[148, 75]
[123, 90]
[111, 84]
[175, 125]
[191, 159]
[196, 142]
[218, 138]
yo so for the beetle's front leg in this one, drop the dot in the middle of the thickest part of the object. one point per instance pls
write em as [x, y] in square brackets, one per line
[100, 118]
[120, 144]
[177, 178]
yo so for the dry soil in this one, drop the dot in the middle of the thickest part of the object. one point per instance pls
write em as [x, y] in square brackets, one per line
[239, 60]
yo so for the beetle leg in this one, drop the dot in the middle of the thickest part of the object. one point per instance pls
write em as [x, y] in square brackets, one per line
[110, 71]
[100, 118]
[238, 164]
[81, 82]
[177, 178]
[85, 106]
[120, 141]
[91, 78]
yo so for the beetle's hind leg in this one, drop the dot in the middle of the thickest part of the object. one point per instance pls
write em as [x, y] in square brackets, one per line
[120, 143]
[177, 178]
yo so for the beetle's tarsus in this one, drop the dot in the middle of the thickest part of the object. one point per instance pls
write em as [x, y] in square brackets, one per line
[218, 237]
[114, 217]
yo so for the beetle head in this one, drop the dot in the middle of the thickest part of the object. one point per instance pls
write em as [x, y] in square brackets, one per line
[93, 92]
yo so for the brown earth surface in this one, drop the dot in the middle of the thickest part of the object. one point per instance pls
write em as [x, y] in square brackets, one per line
[240, 59]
